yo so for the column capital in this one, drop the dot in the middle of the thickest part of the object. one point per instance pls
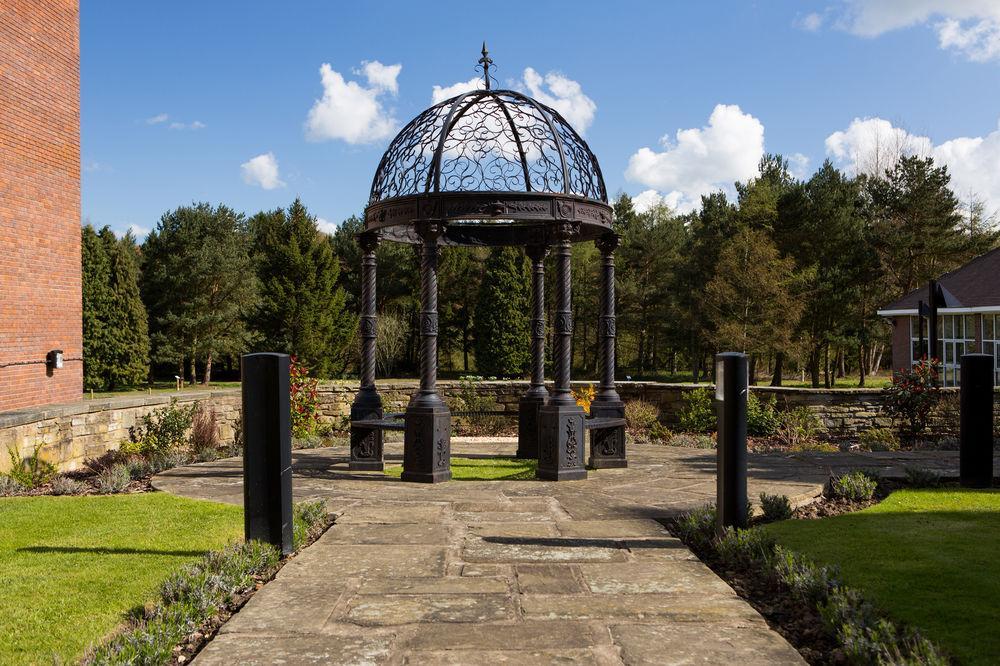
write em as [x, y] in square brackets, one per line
[608, 243]
[429, 230]
[368, 240]
[537, 252]
[565, 231]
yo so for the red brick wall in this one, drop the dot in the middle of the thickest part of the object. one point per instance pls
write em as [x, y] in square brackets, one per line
[40, 305]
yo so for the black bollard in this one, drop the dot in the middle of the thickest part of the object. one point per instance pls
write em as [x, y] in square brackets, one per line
[267, 453]
[976, 442]
[731, 462]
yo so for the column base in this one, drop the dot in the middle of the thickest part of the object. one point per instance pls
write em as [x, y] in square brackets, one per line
[427, 444]
[527, 424]
[366, 443]
[607, 445]
[560, 443]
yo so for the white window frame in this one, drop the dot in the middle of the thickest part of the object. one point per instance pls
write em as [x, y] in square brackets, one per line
[991, 343]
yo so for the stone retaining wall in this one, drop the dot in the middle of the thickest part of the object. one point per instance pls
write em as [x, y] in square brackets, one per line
[69, 434]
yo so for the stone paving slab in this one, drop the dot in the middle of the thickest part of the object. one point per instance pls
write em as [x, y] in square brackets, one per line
[511, 571]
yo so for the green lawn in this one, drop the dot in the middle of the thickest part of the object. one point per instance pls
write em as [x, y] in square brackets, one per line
[929, 557]
[498, 468]
[71, 566]
[157, 387]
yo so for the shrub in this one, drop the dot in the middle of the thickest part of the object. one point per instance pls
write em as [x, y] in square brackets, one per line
[63, 485]
[878, 439]
[799, 428]
[159, 431]
[236, 447]
[745, 548]
[697, 527]
[10, 486]
[807, 582]
[912, 395]
[763, 419]
[113, 480]
[32, 471]
[204, 433]
[698, 414]
[692, 441]
[640, 418]
[167, 460]
[308, 516]
[103, 461]
[304, 399]
[775, 507]
[922, 477]
[855, 486]
[471, 399]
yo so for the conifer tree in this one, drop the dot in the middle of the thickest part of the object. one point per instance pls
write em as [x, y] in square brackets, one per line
[502, 310]
[198, 285]
[115, 333]
[302, 310]
[126, 325]
[96, 298]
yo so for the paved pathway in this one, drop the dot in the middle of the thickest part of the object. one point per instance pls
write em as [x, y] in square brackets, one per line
[507, 572]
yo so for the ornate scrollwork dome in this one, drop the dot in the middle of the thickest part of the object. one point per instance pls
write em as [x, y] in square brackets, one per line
[495, 166]
[488, 141]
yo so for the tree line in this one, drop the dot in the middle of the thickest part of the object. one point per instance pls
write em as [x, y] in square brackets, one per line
[791, 272]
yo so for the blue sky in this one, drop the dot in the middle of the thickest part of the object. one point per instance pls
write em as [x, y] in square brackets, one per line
[192, 101]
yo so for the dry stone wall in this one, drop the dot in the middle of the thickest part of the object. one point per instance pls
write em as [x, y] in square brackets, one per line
[69, 434]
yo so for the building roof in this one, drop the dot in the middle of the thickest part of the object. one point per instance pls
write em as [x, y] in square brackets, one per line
[974, 285]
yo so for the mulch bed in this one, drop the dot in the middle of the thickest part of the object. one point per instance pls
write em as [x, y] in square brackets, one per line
[797, 621]
[199, 638]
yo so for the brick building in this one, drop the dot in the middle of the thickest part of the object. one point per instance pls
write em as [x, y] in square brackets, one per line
[968, 319]
[40, 301]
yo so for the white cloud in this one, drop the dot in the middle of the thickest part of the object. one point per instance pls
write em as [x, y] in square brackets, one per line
[140, 233]
[381, 76]
[351, 112]
[970, 27]
[262, 171]
[554, 89]
[701, 160]
[195, 125]
[646, 200]
[157, 119]
[441, 93]
[810, 22]
[973, 162]
[326, 226]
[798, 165]
[92, 166]
[562, 94]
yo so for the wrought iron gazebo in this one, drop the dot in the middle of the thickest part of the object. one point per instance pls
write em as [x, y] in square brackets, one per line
[492, 167]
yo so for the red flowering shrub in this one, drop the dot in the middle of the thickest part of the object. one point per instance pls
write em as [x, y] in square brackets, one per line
[912, 395]
[305, 402]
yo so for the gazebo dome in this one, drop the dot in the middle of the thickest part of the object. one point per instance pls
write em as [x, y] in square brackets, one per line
[496, 166]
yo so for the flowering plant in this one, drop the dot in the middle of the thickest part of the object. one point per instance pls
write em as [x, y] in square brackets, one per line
[304, 399]
[913, 394]
[584, 396]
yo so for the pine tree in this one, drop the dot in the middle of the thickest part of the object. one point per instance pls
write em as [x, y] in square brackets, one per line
[96, 269]
[115, 334]
[302, 310]
[502, 312]
[199, 285]
[126, 325]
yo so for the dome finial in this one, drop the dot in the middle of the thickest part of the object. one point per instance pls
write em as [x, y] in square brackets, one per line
[485, 63]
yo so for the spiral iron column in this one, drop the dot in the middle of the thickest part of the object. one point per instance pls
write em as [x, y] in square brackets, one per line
[427, 438]
[561, 434]
[366, 441]
[607, 445]
[536, 395]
